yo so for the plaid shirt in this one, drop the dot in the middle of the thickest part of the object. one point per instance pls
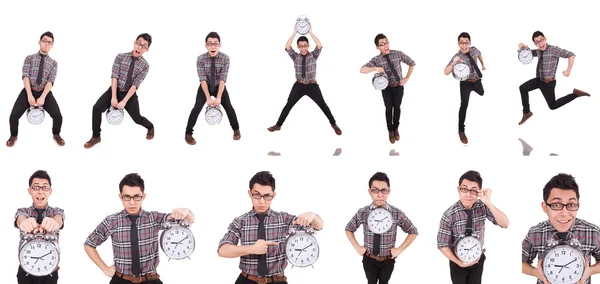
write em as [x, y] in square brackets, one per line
[120, 69]
[454, 223]
[311, 63]
[118, 227]
[30, 212]
[388, 239]
[244, 230]
[475, 53]
[586, 233]
[31, 69]
[396, 56]
[550, 59]
[204, 62]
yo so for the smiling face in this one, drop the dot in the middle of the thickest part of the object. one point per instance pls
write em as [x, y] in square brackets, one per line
[464, 43]
[132, 198]
[140, 46]
[40, 191]
[303, 47]
[562, 219]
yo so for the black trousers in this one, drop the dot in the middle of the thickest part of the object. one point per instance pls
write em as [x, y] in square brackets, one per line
[313, 92]
[378, 270]
[22, 105]
[132, 107]
[392, 99]
[23, 278]
[117, 280]
[243, 280]
[465, 92]
[547, 90]
[469, 275]
[201, 100]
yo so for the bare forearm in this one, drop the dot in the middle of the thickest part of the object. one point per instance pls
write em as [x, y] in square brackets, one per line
[409, 72]
[571, 61]
[450, 255]
[288, 44]
[130, 93]
[528, 269]
[114, 83]
[352, 239]
[204, 85]
[221, 89]
[500, 217]
[95, 257]
[409, 239]
[448, 69]
[46, 90]
[317, 222]
[317, 41]
[367, 70]
[58, 220]
[27, 85]
[190, 217]
[232, 251]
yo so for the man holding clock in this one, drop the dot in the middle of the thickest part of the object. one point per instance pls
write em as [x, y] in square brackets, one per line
[134, 234]
[561, 202]
[39, 218]
[380, 220]
[261, 233]
[466, 220]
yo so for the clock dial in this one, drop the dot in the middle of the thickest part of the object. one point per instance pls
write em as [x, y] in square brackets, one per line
[563, 264]
[35, 116]
[213, 116]
[461, 71]
[525, 56]
[380, 221]
[39, 257]
[380, 81]
[177, 242]
[114, 116]
[302, 26]
[468, 249]
[302, 249]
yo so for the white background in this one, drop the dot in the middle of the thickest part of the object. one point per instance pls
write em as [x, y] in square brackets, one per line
[209, 177]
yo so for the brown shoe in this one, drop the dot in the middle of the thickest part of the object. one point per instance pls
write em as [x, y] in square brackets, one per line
[392, 137]
[580, 93]
[338, 131]
[59, 140]
[11, 141]
[274, 128]
[92, 142]
[190, 139]
[463, 137]
[397, 135]
[237, 135]
[150, 134]
[526, 116]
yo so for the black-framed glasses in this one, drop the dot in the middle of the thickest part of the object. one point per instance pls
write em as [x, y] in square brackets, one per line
[377, 190]
[215, 44]
[303, 45]
[48, 42]
[37, 188]
[559, 206]
[138, 43]
[384, 43]
[464, 42]
[128, 198]
[258, 196]
[471, 191]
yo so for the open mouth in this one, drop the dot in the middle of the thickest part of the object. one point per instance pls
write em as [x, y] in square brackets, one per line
[40, 198]
[563, 222]
[137, 52]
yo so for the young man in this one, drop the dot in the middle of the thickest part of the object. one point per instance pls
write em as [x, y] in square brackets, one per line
[39, 218]
[388, 61]
[128, 72]
[379, 252]
[545, 75]
[467, 217]
[262, 233]
[134, 234]
[305, 64]
[213, 68]
[561, 202]
[466, 54]
[39, 73]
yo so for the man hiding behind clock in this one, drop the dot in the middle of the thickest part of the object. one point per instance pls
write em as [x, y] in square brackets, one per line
[134, 234]
[561, 202]
[388, 61]
[39, 218]
[262, 232]
[465, 219]
[380, 220]
[545, 75]
[305, 65]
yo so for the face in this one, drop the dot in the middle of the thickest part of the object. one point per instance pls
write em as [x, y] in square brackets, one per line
[561, 219]
[379, 192]
[140, 46]
[383, 45]
[540, 42]
[213, 45]
[468, 198]
[132, 198]
[464, 44]
[46, 44]
[303, 47]
[40, 191]
[259, 195]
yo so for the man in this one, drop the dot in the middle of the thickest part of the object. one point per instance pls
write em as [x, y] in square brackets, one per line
[561, 202]
[262, 233]
[388, 61]
[39, 218]
[379, 252]
[467, 54]
[305, 65]
[39, 73]
[545, 76]
[134, 234]
[128, 71]
[467, 217]
[213, 68]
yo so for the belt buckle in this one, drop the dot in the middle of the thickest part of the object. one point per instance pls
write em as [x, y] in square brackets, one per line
[260, 279]
[136, 279]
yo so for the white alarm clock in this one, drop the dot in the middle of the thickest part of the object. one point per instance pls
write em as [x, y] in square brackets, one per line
[36, 114]
[468, 249]
[380, 81]
[177, 240]
[564, 262]
[213, 115]
[114, 115]
[380, 220]
[39, 254]
[301, 247]
[525, 55]
[461, 71]
[302, 25]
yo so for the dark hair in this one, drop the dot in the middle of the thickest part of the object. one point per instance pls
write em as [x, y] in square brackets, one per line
[264, 178]
[561, 181]
[378, 37]
[302, 38]
[48, 34]
[146, 37]
[536, 34]
[131, 180]
[41, 175]
[379, 176]
[473, 176]
[464, 34]
[212, 35]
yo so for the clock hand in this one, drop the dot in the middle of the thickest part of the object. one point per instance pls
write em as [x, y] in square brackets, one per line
[307, 247]
[183, 239]
[383, 218]
[473, 247]
[570, 262]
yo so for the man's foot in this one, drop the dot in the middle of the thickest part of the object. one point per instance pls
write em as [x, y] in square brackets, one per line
[190, 139]
[337, 130]
[392, 137]
[580, 93]
[463, 137]
[59, 140]
[526, 116]
[394, 153]
[274, 128]
[92, 142]
[11, 141]
[397, 135]
[150, 134]
[237, 135]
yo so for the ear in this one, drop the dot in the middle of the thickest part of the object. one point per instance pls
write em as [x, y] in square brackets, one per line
[274, 194]
[250, 193]
[544, 207]
[143, 196]
[458, 189]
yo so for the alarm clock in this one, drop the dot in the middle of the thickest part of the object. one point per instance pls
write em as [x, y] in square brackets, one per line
[301, 247]
[525, 55]
[380, 220]
[39, 254]
[461, 71]
[380, 81]
[213, 115]
[177, 240]
[468, 249]
[564, 262]
[36, 114]
[302, 25]
[114, 115]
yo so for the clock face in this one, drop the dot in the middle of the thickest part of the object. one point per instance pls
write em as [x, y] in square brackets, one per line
[563, 264]
[35, 116]
[461, 71]
[525, 56]
[468, 249]
[114, 116]
[302, 249]
[213, 115]
[177, 242]
[302, 26]
[380, 221]
[39, 257]
[380, 81]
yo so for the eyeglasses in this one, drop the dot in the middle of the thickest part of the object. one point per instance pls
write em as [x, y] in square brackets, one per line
[464, 42]
[539, 41]
[215, 44]
[48, 42]
[560, 206]
[384, 43]
[303, 46]
[258, 196]
[472, 191]
[138, 43]
[128, 198]
[377, 190]
[37, 188]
